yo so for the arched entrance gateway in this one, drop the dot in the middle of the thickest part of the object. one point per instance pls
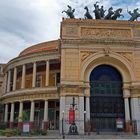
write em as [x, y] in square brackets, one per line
[106, 98]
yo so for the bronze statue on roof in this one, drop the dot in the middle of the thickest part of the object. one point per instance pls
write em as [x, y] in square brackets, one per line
[134, 15]
[87, 14]
[100, 13]
[69, 12]
[110, 13]
[97, 11]
[117, 14]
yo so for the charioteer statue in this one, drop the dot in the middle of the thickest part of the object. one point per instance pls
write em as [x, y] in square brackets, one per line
[100, 13]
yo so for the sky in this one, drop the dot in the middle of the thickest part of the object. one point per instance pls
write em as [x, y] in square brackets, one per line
[27, 22]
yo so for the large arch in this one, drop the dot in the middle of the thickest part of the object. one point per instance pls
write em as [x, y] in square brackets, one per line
[106, 98]
[120, 63]
[113, 59]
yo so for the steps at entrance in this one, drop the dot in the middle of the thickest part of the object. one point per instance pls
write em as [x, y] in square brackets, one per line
[53, 132]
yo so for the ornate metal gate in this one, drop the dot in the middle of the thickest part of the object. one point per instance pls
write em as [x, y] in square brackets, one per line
[106, 101]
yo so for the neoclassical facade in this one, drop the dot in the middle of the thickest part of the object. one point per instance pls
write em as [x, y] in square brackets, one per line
[95, 62]
[31, 84]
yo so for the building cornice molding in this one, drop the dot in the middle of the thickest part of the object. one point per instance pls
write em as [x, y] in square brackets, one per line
[32, 91]
[32, 58]
[130, 42]
[88, 22]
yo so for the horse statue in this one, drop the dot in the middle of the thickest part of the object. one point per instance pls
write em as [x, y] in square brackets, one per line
[110, 13]
[134, 15]
[87, 15]
[97, 11]
[117, 14]
[69, 12]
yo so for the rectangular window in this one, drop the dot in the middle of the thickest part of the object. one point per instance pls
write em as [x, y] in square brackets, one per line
[57, 79]
[38, 80]
[11, 86]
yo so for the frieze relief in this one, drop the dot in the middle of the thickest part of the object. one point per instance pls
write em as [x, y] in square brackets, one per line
[85, 54]
[105, 33]
[127, 55]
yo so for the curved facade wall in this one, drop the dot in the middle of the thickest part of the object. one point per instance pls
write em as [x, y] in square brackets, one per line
[31, 84]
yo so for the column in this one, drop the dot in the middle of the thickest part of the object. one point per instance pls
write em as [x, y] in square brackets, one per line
[47, 73]
[20, 115]
[62, 112]
[6, 113]
[14, 78]
[5, 82]
[46, 115]
[87, 96]
[23, 76]
[9, 80]
[135, 109]
[127, 110]
[32, 115]
[126, 95]
[12, 115]
[34, 75]
[87, 109]
[81, 116]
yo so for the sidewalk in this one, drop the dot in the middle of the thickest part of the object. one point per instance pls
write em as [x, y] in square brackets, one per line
[92, 136]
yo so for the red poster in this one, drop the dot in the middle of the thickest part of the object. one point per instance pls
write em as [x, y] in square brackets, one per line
[71, 116]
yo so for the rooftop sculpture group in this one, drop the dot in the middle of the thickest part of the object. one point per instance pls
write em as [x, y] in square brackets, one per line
[100, 13]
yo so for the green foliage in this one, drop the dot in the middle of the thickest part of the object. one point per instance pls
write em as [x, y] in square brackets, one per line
[38, 132]
[2, 126]
[8, 132]
[17, 132]
[1, 131]
[24, 116]
[43, 132]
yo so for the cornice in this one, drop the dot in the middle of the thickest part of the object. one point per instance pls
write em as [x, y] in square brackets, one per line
[31, 91]
[32, 58]
[88, 22]
[129, 42]
[39, 46]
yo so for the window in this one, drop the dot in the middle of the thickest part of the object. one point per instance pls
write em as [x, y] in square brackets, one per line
[38, 80]
[57, 79]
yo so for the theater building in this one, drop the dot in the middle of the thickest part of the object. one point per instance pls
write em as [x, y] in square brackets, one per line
[95, 62]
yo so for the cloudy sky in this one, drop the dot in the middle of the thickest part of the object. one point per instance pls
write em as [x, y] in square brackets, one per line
[27, 22]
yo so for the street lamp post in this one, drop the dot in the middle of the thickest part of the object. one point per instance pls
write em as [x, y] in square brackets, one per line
[85, 120]
[73, 127]
[63, 134]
